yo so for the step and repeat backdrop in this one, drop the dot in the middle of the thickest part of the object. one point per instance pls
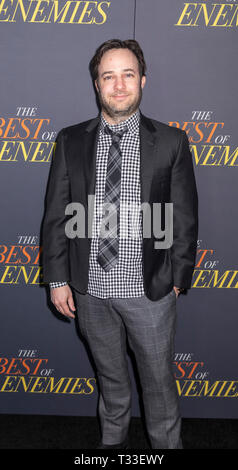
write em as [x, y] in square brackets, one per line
[46, 46]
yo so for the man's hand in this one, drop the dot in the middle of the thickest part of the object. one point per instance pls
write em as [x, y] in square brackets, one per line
[177, 291]
[62, 299]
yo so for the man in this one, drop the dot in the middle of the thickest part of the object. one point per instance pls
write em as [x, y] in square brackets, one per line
[123, 286]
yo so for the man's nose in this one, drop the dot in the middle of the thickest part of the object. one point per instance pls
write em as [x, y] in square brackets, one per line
[119, 83]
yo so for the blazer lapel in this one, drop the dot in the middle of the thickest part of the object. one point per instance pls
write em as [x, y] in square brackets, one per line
[90, 152]
[148, 146]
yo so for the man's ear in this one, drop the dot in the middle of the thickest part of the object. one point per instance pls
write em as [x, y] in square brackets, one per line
[96, 84]
[143, 81]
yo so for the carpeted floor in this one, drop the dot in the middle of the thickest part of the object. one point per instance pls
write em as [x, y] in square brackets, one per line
[67, 432]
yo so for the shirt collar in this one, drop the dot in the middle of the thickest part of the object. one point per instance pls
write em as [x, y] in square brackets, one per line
[132, 123]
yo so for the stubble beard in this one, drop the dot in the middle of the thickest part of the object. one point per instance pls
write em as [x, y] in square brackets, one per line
[115, 113]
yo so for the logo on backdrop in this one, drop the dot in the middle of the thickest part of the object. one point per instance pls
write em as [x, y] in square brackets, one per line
[54, 11]
[207, 273]
[208, 14]
[192, 379]
[209, 142]
[27, 372]
[19, 262]
[25, 137]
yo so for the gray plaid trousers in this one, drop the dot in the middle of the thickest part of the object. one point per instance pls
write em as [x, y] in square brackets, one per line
[150, 328]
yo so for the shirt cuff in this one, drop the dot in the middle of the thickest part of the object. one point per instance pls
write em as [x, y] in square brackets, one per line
[53, 285]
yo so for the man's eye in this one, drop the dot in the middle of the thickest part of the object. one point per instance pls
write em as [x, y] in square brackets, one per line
[107, 77]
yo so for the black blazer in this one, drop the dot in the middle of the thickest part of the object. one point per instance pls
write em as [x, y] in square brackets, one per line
[166, 176]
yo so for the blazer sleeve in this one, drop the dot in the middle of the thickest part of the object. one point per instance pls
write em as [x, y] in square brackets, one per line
[55, 249]
[185, 215]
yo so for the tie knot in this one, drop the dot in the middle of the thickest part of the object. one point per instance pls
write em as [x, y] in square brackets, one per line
[116, 136]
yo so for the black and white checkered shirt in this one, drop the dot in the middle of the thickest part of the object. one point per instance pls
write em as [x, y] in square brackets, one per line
[125, 279]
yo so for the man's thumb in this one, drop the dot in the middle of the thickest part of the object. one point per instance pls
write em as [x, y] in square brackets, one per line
[71, 303]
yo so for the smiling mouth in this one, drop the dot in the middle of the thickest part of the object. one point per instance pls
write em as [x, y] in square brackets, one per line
[120, 97]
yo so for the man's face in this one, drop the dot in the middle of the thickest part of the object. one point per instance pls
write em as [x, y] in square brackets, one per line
[119, 85]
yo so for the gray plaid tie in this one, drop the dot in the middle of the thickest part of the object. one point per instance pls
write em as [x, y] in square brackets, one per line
[108, 249]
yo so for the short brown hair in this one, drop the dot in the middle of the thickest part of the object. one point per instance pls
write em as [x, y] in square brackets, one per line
[130, 44]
